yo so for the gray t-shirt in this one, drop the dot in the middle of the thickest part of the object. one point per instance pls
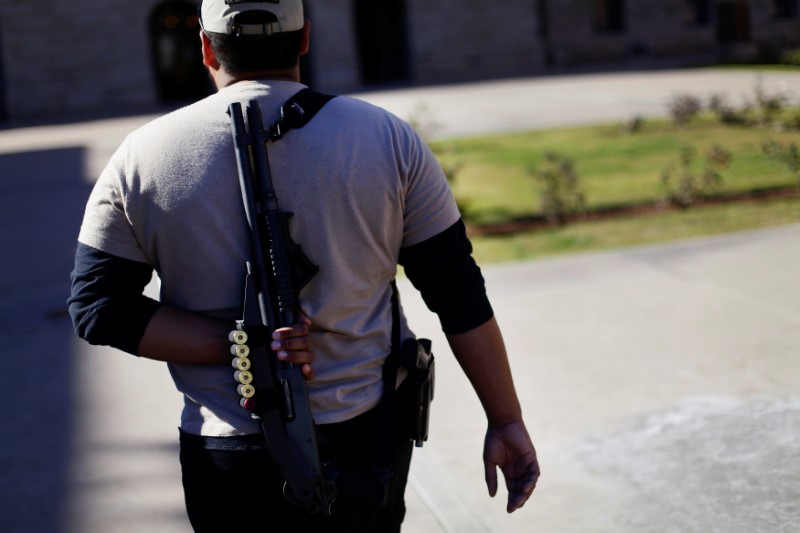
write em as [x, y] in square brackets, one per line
[361, 184]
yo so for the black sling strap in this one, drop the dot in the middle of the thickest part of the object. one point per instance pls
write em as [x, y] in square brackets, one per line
[383, 457]
[297, 112]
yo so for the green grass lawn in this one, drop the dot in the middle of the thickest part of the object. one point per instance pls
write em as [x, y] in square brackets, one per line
[494, 183]
[639, 230]
[759, 67]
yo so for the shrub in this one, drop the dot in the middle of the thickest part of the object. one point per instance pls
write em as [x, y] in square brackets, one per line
[791, 57]
[726, 113]
[764, 109]
[561, 197]
[786, 154]
[683, 108]
[633, 125]
[684, 186]
[792, 120]
[769, 106]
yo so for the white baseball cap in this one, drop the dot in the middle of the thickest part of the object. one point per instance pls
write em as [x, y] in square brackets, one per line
[220, 16]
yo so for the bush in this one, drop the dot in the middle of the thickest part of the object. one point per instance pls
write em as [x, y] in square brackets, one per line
[786, 154]
[769, 106]
[683, 108]
[561, 197]
[726, 113]
[633, 125]
[791, 57]
[792, 120]
[764, 109]
[684, 186]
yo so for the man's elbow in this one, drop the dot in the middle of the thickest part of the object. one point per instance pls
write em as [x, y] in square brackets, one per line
[89, 324]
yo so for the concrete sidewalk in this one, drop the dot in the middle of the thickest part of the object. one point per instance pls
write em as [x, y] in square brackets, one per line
[661, 383]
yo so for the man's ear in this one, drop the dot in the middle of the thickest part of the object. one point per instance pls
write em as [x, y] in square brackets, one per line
[305, 43]
[209, 59]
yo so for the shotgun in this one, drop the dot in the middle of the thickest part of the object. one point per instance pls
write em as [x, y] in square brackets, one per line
[273, 391]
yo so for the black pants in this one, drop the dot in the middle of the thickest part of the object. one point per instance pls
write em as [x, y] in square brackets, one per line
[232, 484]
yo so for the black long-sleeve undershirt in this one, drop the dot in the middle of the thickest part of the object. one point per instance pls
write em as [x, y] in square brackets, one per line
[451, 284]
[107, 305]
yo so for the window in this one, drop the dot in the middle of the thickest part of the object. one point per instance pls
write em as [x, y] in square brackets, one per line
[175, 49]
[784, 9]
[699, 12]
[609, 16]
[733, 22]
[382, 41]
[3, 103]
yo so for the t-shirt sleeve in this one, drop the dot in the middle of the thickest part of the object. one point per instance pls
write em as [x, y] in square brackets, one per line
[430, 206]
[105, 224]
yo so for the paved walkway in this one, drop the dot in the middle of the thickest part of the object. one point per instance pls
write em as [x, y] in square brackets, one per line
[662, 384]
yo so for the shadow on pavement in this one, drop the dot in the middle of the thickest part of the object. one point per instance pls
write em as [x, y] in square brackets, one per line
[42, 195]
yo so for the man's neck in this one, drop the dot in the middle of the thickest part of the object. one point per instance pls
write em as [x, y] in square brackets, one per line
[223, 79]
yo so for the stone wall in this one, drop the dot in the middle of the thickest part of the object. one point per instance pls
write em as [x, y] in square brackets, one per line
[457, 40]
[334, 54]
[651, 28]
[62, 58]
[448, 40]
[658, 29]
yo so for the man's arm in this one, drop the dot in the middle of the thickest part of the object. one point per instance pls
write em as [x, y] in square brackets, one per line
[482, 355]
[108, 308]
[177, 336]
[443, 270]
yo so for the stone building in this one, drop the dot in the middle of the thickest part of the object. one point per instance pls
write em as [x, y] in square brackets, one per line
[64, 58]
[581, 32]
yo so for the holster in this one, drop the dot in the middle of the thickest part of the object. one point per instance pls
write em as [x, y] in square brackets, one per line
[416, 393]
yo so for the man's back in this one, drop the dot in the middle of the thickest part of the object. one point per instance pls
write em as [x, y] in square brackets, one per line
[361, 184]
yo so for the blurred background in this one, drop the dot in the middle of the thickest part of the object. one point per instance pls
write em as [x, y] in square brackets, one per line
[63, 58]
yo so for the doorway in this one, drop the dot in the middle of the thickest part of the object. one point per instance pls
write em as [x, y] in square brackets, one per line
[382, 41]
[609, 16]
[3, 101]
[733, 22]
[175, 48]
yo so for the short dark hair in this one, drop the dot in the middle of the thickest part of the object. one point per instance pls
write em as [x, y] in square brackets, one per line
[242, 54]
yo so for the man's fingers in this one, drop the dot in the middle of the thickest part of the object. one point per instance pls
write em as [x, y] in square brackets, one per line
[308, 372]
[516, 499]
[292, 344]
[521, 489]
[491, 477]
[298, 357]
[300, 329]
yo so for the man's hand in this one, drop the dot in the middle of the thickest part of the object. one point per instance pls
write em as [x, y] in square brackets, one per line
[293, 345]
[510, 448]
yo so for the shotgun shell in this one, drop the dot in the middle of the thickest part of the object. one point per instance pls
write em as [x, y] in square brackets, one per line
[240, 350]
[246, 391]
[248, 403]
[243, 376]
[240, 364]
[237, 336]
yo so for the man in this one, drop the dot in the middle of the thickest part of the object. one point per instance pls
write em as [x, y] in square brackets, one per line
[367, 195]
